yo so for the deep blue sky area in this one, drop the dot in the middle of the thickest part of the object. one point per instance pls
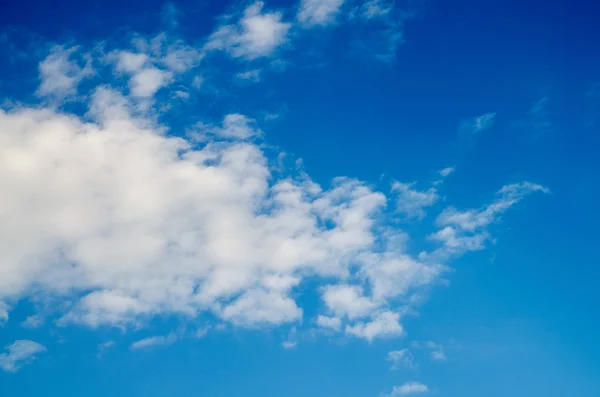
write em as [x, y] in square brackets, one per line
[517, 316]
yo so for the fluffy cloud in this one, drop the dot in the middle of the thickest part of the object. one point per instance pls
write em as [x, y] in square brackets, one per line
[346, 300]
[146, 224]
[384, 325]
[126, 221]
[60, 73]
[257, 34]
[145, 78]
[19, 353]
[318, 12]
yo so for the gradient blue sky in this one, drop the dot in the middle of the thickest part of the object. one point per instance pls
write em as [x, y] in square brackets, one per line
[491, 289]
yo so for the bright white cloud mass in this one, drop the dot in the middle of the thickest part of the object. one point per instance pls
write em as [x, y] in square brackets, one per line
[125, 222]
[108, 212]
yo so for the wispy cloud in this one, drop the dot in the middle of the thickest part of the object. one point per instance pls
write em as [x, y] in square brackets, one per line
[401, 359]
[536, 122]
[463, 231]
[154, 341]
[412, 202]
[19, 353]
[476, 125]
[318, 12]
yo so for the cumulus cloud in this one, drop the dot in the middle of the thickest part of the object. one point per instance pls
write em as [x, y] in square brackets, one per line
[408, 388]
[261, 307]
[257, 34]
[318, 12]
[145, 78]
[126, 221]
[132, 222]
[19, 353]
[346, 300]
[60, 73]
[384, 325]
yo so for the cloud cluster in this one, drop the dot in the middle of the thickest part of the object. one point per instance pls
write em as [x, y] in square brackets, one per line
[122, 221]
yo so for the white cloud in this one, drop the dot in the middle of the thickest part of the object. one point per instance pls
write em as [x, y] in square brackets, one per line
[60, 75]
[408, 388]
[411, 202]
[384, 325]
[318, 12]
[103, 347]
[375, 9]
[438, 355]
[478, 124]
[348, 300]
[4, 309]
[202, 332]
[126, 222]
[257, 34]
[401, 358]
[197, 82]
[130, 62]
[289, 344]
[233, 126]
[145, 78]
[332, 323]
[19, 353]
[154, 341]
[249, 75]
[259, 307]
[446, 171]
[463, 231]
[33, 321]
[146, 82]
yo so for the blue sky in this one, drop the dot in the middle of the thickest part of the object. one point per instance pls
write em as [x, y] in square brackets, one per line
[315, 197]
